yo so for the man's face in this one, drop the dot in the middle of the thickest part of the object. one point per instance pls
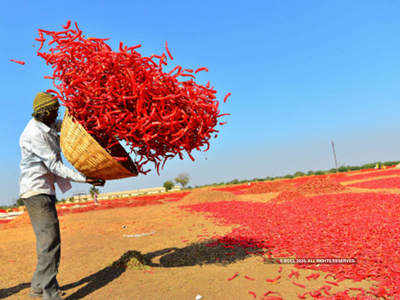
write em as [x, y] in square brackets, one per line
[53, 116]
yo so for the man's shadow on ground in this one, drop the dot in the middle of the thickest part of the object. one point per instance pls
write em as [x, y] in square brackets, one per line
[207, 252]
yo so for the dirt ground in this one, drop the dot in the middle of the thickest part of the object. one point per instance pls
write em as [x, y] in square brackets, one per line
[169, 261]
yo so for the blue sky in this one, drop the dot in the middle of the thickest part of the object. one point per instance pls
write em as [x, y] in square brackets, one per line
[301, 73]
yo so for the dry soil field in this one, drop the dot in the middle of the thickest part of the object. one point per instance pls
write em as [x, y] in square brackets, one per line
[225, 243]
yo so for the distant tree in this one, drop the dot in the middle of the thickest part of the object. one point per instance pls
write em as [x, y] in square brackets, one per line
[390, 163]
[354, 168]
[298, 174]
[93, 191]
[20, 202]
[182, 179]
[168, 185]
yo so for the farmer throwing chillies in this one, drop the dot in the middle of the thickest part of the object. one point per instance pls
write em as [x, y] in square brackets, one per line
[42, 168]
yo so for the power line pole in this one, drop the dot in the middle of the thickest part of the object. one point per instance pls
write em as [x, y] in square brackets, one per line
[334, 155]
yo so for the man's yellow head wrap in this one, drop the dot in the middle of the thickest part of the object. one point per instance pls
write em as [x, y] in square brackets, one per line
[44, 100]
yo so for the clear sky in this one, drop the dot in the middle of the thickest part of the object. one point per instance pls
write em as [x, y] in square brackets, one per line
[301, 73]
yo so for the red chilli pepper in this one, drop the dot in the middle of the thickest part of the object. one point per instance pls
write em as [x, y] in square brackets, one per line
[234, 276]
[294, 273]
[302, 296]
[326, 289]
[68, 25]
[333, 283]
[201, 69]
[313, 276]
[18, 61]
[226, 97]
[327, 275]
[273, 279]
[268, 293]
[299, 284]
[169, 53]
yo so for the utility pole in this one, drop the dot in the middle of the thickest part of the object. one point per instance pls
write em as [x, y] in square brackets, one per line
[334, 155]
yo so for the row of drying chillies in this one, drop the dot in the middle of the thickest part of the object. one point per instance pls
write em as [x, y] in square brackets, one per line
[381, 183]
[367, 175]
[304, 185]
[125, 96]
[352, 225]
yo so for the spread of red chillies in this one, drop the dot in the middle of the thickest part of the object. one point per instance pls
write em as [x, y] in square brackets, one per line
[124, 96]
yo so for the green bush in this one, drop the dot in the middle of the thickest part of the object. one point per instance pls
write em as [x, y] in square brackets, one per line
[298, 174]
[342, 169]
[368, 166]
[391, 163]
[354, 168]
[168, 185]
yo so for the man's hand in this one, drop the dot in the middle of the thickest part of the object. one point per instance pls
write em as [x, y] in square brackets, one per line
[95, 182]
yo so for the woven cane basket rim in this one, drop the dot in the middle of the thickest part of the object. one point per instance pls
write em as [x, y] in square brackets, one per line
[87, 155]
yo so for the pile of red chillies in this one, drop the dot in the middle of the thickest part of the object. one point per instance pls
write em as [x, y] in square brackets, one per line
[124, 96]
[319, 185]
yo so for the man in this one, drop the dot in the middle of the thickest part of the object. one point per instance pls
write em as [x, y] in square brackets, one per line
[41, 168]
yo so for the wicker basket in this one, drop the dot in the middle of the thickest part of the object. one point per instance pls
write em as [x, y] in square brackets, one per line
[87, 155]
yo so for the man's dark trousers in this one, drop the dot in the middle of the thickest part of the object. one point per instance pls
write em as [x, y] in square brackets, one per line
[43, 214]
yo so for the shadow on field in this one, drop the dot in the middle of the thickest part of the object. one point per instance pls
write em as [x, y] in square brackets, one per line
[7, 292]
[208, 252]
[222, 252]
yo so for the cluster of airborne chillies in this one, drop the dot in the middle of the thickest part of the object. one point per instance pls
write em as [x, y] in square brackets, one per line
[124, 96]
